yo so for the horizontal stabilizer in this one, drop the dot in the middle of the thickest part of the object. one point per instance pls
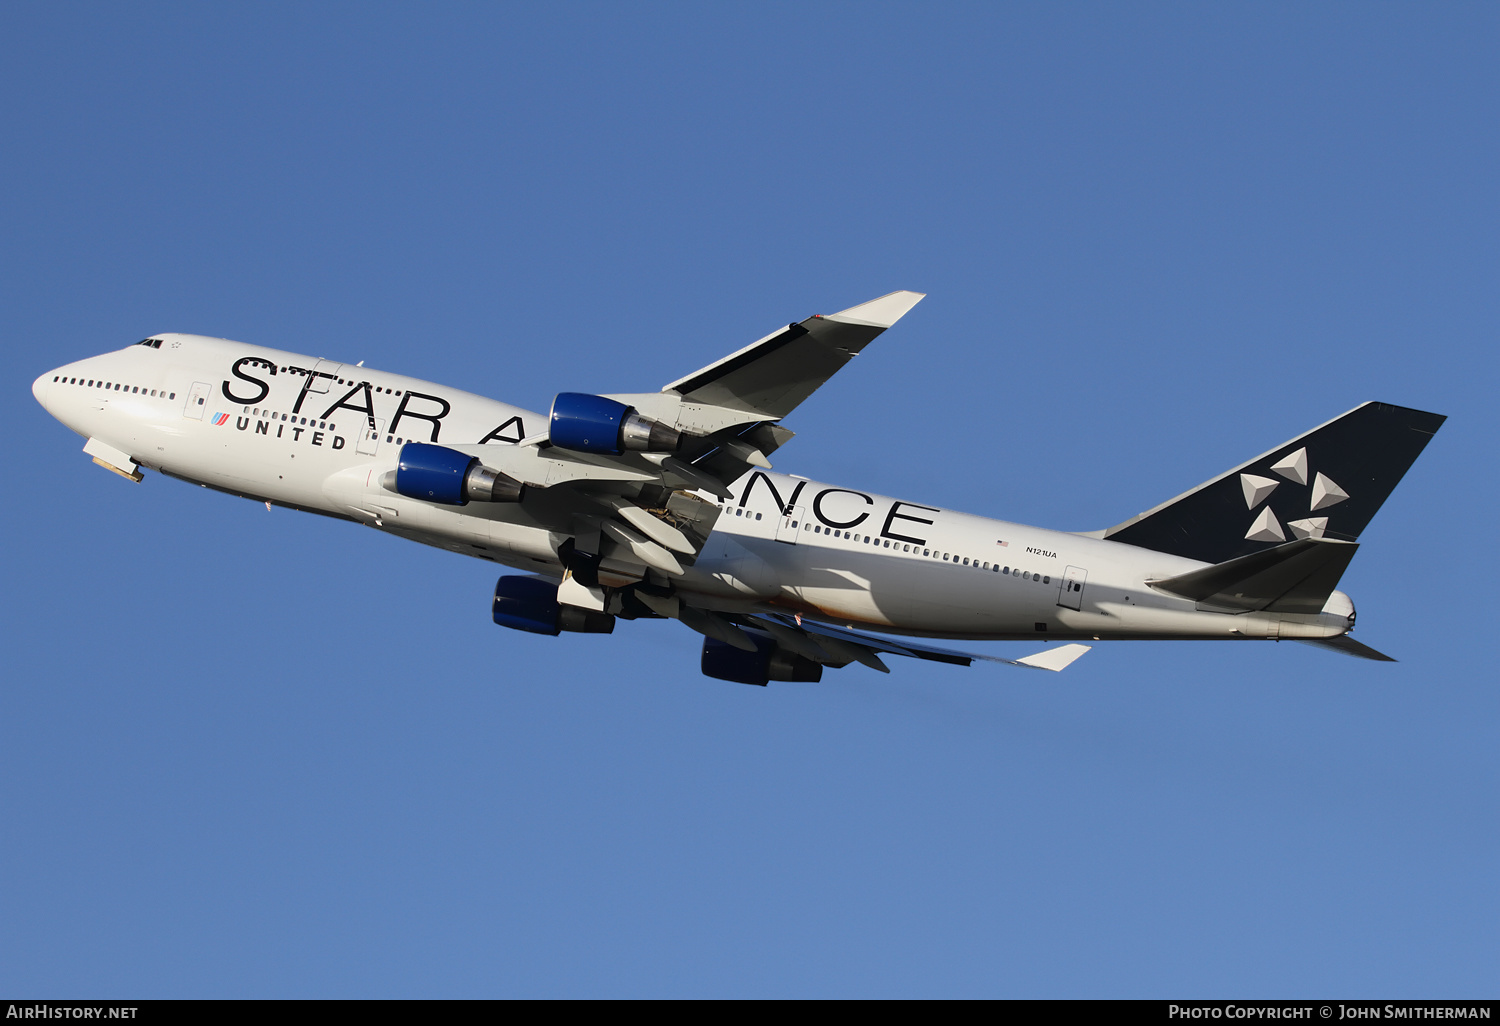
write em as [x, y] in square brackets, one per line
[1296, 577]
[1348, 646]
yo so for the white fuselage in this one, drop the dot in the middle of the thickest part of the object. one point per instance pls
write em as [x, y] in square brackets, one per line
[317, 435]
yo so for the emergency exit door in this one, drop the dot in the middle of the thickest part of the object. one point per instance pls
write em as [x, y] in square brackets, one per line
[323, 373]
[1071, 592]
[197, 399]
[369, 436]
[789, 524]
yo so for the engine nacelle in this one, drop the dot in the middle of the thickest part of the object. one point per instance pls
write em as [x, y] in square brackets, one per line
[768, 662]
[592, 423]
[436, 473]
[530, 604]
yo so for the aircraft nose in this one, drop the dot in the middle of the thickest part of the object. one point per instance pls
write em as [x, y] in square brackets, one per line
[40, 388]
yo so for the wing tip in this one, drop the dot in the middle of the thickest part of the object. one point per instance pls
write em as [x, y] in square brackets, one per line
[1348, 646]
[882, 311]
[1054, 659]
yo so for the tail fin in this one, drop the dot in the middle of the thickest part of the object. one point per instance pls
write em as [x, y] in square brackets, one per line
[1327, 483]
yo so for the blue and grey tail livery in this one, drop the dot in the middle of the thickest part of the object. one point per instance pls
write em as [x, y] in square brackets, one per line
[1327, 483]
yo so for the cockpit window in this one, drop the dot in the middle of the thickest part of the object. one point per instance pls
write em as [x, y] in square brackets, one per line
[154, 343]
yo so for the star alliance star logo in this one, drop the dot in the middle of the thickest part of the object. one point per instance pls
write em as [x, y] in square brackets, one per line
[1293, 468]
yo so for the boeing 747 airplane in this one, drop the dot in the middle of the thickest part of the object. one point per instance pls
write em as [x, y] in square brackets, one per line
[664, 504]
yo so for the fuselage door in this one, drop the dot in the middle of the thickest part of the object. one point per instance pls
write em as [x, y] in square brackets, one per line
[197, 399]
[369, 436]
[789, 524]
[323, 374]
[1071, 592]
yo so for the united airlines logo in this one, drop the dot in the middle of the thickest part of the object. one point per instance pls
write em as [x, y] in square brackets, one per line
[220, 419]
[1293, 469]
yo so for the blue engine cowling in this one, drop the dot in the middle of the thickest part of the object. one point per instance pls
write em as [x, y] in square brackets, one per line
[530, 604]
[436, 473]
[433, 472]
[768, 662]
[592, 423]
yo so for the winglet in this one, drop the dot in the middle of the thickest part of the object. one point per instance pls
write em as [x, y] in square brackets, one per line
[1054, 659]
[882, 312]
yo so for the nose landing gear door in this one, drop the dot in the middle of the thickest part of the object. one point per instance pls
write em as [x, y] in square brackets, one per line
[1071, 592]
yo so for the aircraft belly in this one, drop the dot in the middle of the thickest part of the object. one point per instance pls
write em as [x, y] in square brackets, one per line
[478, 529]
[735, 566]
[880, 590]
[223, 457]
[849, 602]
[523, 541]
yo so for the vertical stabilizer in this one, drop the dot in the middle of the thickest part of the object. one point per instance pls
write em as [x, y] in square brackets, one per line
[1327, 483]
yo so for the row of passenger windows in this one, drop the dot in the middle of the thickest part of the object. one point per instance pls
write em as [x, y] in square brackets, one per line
[949, 557]
[739, 511]
[113, 386]
[351, 381]
[319, 424]
[341, 381]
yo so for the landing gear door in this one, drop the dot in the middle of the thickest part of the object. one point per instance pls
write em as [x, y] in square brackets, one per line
[197, 399]
[369, 436]
[789, 524]
[1071, 592]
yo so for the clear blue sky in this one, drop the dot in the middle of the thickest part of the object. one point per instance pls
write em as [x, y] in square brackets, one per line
[267, 754]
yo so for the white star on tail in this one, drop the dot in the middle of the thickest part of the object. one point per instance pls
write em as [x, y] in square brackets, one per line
[1256, 489]
[1325, 493]
[1293, 467]
[1266, 528]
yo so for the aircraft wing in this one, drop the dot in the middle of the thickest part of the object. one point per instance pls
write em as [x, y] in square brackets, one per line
[839, 646]
[772, 376]
[634, 513]
[1055, 659]
[732, 407]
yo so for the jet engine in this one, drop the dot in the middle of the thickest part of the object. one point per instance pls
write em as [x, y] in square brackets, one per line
[768, 662]
[436, 473]
[530, 604]
[592, 423]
